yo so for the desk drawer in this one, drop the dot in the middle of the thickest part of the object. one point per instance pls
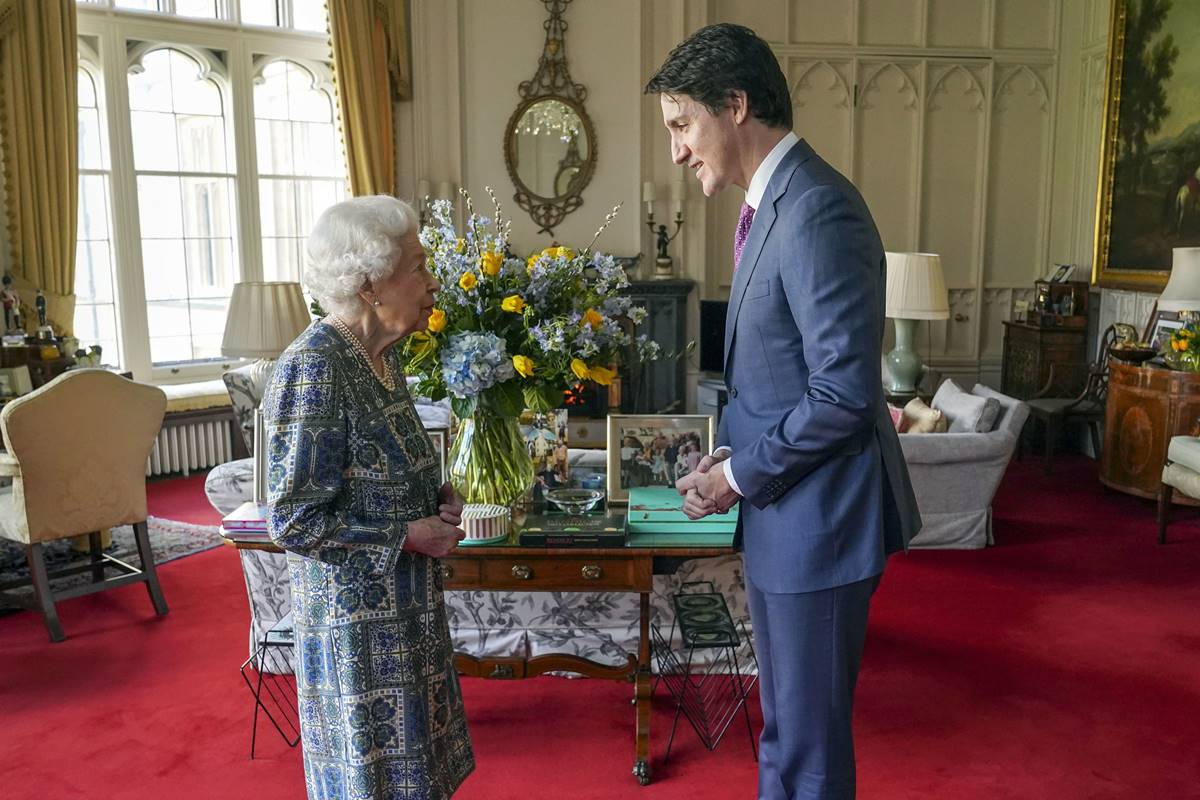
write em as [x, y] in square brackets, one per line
[570, 574]
[460, 573]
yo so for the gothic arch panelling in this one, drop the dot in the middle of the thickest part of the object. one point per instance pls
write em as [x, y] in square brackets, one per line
[1018, 179]
[822, 107]
[888, 121]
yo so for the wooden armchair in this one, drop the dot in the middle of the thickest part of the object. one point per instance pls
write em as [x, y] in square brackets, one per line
[77, 451]
[1055, 411]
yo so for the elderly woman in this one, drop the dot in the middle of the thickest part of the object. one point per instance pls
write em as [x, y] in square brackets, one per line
[354, 496]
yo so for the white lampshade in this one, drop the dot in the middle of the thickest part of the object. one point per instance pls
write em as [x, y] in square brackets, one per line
[1182, 292]
[915, 287]
[264, 317]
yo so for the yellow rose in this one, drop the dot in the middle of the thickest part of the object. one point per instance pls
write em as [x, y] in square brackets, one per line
[513, 303]
[592, 317]
[460, 245]
[1183, 345]
[579, 368]
[437, 320]
[523, 365]
[559, 252]
[602, 375]
[491, 263]
[468, 281]
[529, 262]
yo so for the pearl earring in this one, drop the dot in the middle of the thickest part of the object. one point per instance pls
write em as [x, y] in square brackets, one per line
[376, 303]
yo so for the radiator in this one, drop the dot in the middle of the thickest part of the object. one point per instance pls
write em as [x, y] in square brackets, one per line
[192, 445]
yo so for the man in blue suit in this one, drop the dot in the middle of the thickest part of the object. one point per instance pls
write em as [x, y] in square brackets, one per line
[805, 438]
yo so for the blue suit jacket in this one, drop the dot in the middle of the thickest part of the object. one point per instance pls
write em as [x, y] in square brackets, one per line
[827, 493]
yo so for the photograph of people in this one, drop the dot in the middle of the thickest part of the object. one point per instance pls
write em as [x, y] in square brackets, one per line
[355, 498]
[805, 425]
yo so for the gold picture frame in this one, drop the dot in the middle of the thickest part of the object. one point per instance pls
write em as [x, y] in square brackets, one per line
[646, 449]
[1148, 193]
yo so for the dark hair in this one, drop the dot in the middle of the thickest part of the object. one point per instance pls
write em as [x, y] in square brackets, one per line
[718, 60]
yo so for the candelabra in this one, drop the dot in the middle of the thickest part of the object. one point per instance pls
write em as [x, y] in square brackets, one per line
[663, 264]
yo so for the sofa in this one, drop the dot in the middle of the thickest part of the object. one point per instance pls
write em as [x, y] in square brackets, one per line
[955, 475]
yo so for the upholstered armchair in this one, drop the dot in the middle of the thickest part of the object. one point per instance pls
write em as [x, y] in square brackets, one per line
[77, 450]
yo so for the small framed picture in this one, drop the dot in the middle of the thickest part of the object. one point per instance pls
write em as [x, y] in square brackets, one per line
[545, 437]
[654, 450]
[1062, 273]
[1164, 327]
[441, 443]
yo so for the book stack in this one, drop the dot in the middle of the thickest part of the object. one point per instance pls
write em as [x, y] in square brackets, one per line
[573, 530]
[656, 519]
[247, 522]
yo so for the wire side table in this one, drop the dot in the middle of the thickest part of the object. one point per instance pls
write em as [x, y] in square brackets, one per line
[709, 697]
[268, 676]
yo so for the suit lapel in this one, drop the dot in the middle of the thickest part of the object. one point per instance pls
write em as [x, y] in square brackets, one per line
[764, 219]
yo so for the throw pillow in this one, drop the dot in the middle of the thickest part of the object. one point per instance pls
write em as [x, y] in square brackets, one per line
[898, 421]
[968, 413]
[923, 419]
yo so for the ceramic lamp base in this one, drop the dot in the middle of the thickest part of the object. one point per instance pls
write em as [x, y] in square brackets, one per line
[904, 363]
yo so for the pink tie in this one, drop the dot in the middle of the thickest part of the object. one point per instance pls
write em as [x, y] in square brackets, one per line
[745, 219]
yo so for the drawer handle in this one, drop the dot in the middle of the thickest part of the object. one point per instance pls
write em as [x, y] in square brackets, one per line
[591, 572]
[521, 572]
[447, 571]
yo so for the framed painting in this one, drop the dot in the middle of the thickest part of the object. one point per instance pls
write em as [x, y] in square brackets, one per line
[1149, 188]
[654, 450]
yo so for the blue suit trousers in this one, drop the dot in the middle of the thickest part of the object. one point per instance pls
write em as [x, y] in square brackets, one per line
[809, 646]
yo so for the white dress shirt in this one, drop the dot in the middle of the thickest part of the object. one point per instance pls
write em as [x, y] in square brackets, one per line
[754, 195]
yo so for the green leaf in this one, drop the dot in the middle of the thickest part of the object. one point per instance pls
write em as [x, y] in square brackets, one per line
[463, 407]
[542, 398]
[507, 400]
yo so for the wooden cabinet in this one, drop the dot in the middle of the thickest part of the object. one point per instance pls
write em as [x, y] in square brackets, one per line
[657, 387]
[1029, 351]
[1146, 407]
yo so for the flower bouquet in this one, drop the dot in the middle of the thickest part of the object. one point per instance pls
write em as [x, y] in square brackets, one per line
[1183, 350]
[508, 334]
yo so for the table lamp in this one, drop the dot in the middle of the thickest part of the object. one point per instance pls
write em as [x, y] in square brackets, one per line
[264, 317]
[1182, 292]
[916, 290]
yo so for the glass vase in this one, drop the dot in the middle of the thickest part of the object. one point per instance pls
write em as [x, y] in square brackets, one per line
[489, 462]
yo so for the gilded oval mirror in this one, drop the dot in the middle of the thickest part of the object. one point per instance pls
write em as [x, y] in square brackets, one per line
[549, 142]
[548, 147]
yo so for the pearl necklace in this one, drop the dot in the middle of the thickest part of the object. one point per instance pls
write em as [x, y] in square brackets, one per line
[388, 378]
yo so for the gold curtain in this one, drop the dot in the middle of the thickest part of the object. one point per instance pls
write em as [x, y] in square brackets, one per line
[370, 64]
[38, 102]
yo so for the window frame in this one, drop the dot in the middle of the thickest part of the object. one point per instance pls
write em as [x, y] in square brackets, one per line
[245, 48]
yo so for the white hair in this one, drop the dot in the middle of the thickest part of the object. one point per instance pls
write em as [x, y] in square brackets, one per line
[355, 242]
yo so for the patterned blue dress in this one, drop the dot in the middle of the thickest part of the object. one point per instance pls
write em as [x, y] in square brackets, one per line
[349, 465]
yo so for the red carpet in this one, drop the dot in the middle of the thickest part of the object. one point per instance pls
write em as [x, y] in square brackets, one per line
[1063, 663]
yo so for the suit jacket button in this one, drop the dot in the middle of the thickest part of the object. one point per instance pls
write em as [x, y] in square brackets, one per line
[733, 391]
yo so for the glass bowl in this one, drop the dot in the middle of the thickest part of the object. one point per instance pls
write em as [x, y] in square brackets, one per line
[1132, 355]
[575, 501]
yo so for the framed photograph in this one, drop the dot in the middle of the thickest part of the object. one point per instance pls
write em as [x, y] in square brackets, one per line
[545, 435]
[1149, 196]
[1164, 327]
[654, 450]
[441, 444]
[1062, 273]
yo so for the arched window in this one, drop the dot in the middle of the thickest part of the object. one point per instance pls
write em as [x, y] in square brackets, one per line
[301, 161]
[95, 298]
[185, 187]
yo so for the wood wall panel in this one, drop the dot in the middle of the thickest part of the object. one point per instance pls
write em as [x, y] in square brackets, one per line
[890, 22]
[1017, 179]
[822, 107]
[957, 23]
[768, 20]
[822, 22]
[887, 136]
[1025, 24]
[955, 124]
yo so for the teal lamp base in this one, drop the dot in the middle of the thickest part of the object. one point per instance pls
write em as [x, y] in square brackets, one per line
[903, 362]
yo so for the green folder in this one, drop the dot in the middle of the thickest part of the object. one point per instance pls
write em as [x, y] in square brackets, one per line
[655, 518]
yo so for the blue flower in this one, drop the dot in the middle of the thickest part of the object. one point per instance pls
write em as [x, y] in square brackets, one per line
[473, 362]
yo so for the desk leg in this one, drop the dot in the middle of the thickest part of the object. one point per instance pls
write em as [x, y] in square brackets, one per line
[641, 767]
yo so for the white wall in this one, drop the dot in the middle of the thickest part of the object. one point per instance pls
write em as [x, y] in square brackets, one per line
[979, 136]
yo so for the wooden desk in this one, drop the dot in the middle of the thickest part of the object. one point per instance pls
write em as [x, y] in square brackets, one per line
[1030, 351]
[1146, 407]
[539, 569]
